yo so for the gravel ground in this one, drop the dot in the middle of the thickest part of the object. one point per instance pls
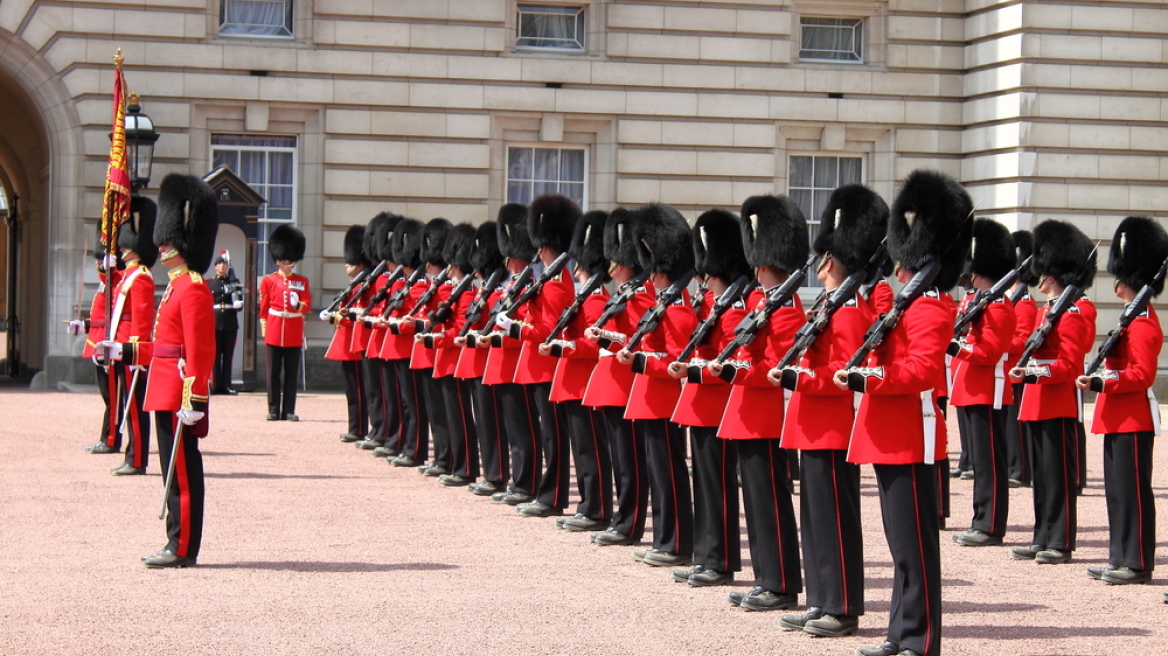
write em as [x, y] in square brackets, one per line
[314, 547]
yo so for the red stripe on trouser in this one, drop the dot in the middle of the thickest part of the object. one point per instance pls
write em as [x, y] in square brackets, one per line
[839, 531]
[464, 416]
[140, 445]
[596, 454]
[726, 510]
[775, 504]
[673, 490]
[921, 551]
[183, 485]
[115, 406]
[636, 473]
[534, 431]
[1139, 498]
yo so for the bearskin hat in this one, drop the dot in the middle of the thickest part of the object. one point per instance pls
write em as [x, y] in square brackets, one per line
[354, 246]
[460, 247]
[1138, 250]
[434, 241]
[852, 225]
[137, 233]
[774, 233]
[619, 246]
[188, 218]
[992, 252]
[717, 243]
[931, 222]
[286, 243]
[406, 242]
[514, 242]
[588, 243]
[550, 221]
[1063, 252]
[487, 257]
[1024, 247]
[378, 245]
[663, 240]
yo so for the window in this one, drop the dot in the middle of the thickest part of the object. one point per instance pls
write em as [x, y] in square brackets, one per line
[810, 181]
[542, 27]
[832, 39]
[535, 171]
[255, 17]
[268, 164]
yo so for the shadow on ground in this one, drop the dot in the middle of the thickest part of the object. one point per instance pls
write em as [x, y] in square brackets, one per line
[308, 566]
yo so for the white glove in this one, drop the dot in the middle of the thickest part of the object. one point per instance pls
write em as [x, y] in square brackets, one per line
[189, 417]
[326, 316]
[503, 321]
[76, 327]
[294, 300]
[110, 350]
[237, 305]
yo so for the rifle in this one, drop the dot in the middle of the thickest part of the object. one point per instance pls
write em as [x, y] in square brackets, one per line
[336, 303]
[442, 313]
[728, 298]
[522, 279]
[874, 276]
[430, 291]
[589, 288]
[549, 272]
[381, 293]
[475, 311]
[400, 296]
[649, 320]
[1065, 300]
[884, 325]
[617, 304]
[746, 330]
[360, 284]
[983, 299]
[1134, 309]
[818, 321]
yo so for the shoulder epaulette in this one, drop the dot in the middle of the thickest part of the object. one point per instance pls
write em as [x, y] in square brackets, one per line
[740, 304]
[932, 292]
[196, 277]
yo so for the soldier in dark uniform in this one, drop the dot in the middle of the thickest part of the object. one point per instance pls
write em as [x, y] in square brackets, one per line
[227, 292]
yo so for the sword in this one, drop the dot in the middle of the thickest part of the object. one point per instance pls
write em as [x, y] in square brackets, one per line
[126, 410]
[176, 445]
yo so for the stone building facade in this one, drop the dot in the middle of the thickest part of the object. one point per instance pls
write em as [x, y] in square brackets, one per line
[1043, 109]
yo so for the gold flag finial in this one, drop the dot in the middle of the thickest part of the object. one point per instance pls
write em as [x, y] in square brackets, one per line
[118, 58]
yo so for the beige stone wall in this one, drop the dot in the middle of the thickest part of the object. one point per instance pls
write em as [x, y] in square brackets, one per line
[1042, 110]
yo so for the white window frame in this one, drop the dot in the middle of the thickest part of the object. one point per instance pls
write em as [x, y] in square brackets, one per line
[813, 213]
[507, 179]
[287, 25]
[264, 265]
[581, 27]
[858, 40]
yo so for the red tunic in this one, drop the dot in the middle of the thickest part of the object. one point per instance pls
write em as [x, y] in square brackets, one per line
[820, 414]
[579, 357]
[703, 403]
[881, 297]
[611, 382]
[1062, 354]
[341, 346]
[422, 356]
[399, 346]
[472, 362]
[501, 360]
[361, 330]
[539, 317]
[96, 323]
[281, 322]
[135, 296]
[1127, 404]
[183, 330]
[979, 368]
[899, 402]
[447, 353]
[654, 394]
[1025, 312]
[755, 407]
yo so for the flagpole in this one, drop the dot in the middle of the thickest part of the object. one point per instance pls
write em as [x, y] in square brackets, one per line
[109, 228]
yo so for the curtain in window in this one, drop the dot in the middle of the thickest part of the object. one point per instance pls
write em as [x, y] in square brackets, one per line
[550, 27]
[829, 38]
[572, 175]
[256, 17]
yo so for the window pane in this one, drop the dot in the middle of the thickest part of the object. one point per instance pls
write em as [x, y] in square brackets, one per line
[572, 165]
[542, 188]
[256, 17]
[573, 190]
[850, 170]
[821, 198]
[838, 39]
[228, 158]
[281, 168]
[547, 164]
[802, 198]
[550, 27]
[518, 192]
[825, 172]
[800, 175]
[519, 166]
[535, 171]
[252, 167]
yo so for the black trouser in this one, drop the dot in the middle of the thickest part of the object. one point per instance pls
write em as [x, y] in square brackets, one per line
[1055, 473]
[464, 444]
[492, 440]
[519, 421]
[770, 516]
[138, 430]
[628, 472]
[1131, 506]
[415, 430]
[673, 521]
[283, 370]
[717, 544]
[553, 442]
[1017, 442]
[358, 405]
[224, 353]
[435, 401]
[1080, 456]
[392, 407]
[590, 455]
[908, 505]
[983, 429]
[374, 397]
[111, 428]
[833, 542]
[184, 502]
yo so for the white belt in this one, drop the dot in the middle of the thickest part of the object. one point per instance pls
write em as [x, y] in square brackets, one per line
[929, 418]
[1000, 382]
[1155, 407]
[285, 315]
